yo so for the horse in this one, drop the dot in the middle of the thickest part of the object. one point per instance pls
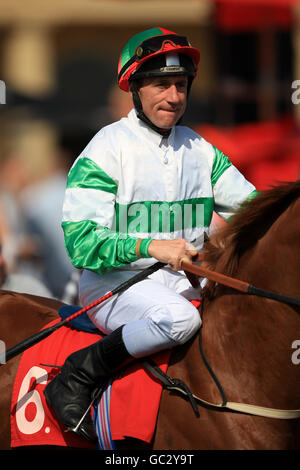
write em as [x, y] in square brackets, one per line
[247, 342]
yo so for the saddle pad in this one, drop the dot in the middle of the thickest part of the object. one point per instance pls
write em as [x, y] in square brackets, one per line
[134, 395]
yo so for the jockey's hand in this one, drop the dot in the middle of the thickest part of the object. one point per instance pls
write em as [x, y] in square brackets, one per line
[172, 252]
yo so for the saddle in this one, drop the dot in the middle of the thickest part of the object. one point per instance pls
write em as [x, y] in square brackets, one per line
[128, 406]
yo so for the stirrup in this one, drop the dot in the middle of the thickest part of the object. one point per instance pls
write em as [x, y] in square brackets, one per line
[77, 429]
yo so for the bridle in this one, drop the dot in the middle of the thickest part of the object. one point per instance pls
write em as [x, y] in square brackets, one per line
[179, 386]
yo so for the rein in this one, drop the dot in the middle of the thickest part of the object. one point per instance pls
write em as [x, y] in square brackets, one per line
[236, 284]
[179, 386]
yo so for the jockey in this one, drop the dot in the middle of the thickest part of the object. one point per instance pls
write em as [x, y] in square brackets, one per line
[143, 189]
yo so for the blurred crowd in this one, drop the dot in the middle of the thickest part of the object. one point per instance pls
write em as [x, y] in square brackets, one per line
[32, 183]
[33, 171]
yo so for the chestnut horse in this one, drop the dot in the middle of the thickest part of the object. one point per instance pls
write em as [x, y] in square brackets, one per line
[248, 341]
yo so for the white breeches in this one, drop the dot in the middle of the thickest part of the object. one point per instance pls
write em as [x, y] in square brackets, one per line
[155, 312]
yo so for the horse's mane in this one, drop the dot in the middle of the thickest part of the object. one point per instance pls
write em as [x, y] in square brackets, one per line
[246, 227]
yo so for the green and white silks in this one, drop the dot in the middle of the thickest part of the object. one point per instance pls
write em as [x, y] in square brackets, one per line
[130, 183]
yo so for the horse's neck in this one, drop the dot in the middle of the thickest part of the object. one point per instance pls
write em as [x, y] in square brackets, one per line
[273, 263]
[248, 339]
[251, 359]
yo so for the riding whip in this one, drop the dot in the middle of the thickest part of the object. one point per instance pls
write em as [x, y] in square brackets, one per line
[37, 337]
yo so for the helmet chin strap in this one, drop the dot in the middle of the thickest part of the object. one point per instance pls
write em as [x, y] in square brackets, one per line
[142, 116]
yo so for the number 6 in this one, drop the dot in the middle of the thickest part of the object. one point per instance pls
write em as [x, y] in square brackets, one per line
[27, 396]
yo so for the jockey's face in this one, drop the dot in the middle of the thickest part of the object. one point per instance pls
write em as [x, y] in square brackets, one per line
[164, 99]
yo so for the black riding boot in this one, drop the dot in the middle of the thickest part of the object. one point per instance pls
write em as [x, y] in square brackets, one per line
[70, 392]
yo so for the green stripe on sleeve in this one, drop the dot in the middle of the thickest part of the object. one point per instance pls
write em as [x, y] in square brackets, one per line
[221, 163]
[91, 246]
[87, 174]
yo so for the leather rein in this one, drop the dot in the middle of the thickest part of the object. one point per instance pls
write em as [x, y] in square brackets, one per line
[179, 386]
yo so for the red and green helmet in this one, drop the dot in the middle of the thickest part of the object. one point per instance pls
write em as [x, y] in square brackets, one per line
[144, 56]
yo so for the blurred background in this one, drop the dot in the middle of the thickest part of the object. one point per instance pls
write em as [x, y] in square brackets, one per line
[59, 60]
